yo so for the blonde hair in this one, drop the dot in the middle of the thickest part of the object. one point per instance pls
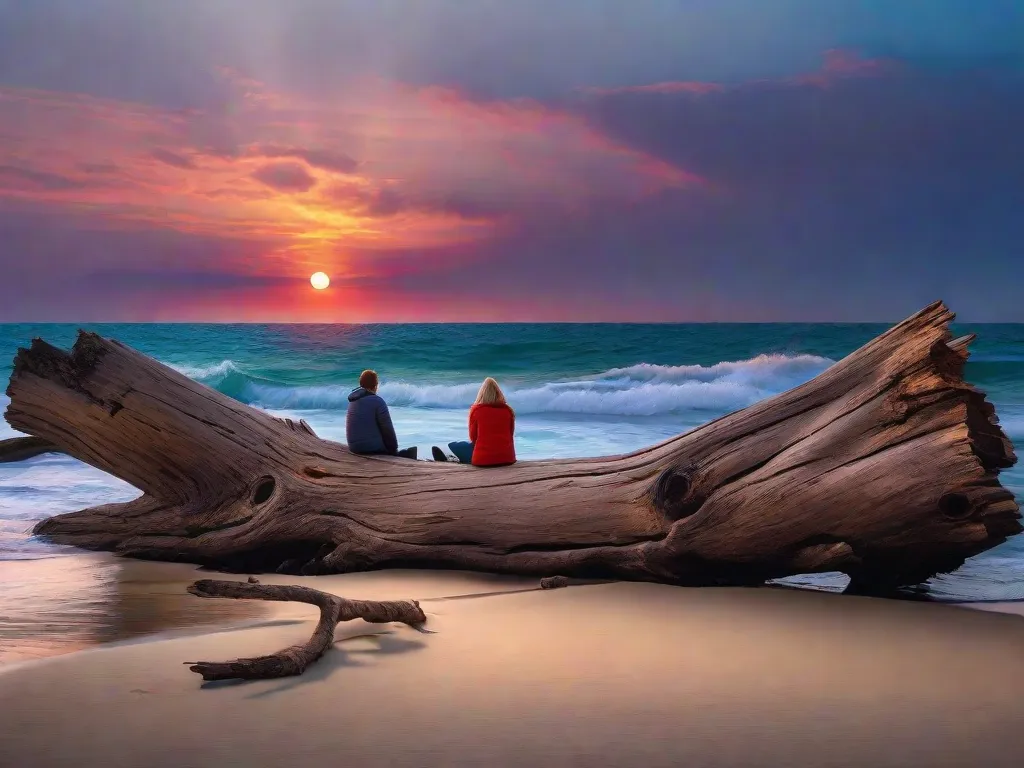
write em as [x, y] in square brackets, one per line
[490, 393]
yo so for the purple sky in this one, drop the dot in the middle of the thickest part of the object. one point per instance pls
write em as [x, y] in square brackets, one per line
[455, 160]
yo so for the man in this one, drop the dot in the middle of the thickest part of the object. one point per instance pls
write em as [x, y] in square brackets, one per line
[368, 427]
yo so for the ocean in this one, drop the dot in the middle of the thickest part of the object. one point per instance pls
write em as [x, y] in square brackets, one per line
[578, 390]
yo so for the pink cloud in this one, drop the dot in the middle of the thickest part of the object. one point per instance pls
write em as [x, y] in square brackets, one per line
[837, 65]
[383, 166]
[840, 64]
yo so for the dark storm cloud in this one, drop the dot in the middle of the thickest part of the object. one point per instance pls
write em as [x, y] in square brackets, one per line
[863, 133]
[15, 175]
[386, 202]
[319, 158]
[179, 280]
[173, 159]
[379, 203]
[285, 177]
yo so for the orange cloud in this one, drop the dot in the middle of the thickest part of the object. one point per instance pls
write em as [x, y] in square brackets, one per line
[381, 166]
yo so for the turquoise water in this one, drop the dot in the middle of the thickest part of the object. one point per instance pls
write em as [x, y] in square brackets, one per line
[578, 390]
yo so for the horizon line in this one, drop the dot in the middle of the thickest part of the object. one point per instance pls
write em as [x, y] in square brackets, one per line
[488, 322]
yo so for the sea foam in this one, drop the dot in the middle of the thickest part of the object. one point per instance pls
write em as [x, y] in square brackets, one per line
[638, 390]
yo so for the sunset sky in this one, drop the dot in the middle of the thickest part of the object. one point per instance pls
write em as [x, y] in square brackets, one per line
[592, 160]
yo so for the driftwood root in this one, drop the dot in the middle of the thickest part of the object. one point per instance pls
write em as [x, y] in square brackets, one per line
[296, 658]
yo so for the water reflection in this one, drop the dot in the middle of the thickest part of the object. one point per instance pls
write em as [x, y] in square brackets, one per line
[62, 604]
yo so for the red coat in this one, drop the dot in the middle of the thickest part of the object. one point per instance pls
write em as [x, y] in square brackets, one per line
[491, 428]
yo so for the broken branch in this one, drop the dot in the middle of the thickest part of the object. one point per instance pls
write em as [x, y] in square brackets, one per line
[294, 659]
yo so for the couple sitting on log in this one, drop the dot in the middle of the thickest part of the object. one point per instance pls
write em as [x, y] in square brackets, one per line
[492, 424]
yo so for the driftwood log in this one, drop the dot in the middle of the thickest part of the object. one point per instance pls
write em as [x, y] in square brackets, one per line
[884, 467]
[294, 659]
[21, 448]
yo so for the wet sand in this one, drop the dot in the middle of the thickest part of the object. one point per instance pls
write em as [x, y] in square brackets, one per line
[596, 675]
[56, 605]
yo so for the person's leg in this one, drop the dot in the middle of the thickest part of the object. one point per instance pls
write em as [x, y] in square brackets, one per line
[463, 450]
[407, 453]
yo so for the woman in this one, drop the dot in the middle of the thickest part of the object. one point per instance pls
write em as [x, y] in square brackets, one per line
[492, 425]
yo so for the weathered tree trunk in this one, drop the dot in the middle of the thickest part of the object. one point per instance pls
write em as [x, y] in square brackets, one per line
[884, 467]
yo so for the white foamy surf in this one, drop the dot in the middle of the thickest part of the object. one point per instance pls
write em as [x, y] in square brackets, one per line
[639, 390]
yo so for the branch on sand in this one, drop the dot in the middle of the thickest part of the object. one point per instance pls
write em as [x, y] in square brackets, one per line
[294, 659]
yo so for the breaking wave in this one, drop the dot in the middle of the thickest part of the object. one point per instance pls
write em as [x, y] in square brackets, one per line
[638, 390]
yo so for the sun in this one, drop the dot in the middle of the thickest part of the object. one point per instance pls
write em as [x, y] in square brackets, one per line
[319, 280]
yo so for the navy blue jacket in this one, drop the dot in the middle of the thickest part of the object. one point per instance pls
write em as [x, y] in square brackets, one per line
[368, 427]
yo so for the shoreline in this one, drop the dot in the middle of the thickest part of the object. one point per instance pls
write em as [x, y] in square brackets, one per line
[86, 601]
[600, 674]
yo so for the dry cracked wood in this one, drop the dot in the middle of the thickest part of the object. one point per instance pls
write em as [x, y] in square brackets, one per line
[884, 467]
[294, 659]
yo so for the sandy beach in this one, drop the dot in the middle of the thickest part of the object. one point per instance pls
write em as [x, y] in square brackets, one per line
[596, 675]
